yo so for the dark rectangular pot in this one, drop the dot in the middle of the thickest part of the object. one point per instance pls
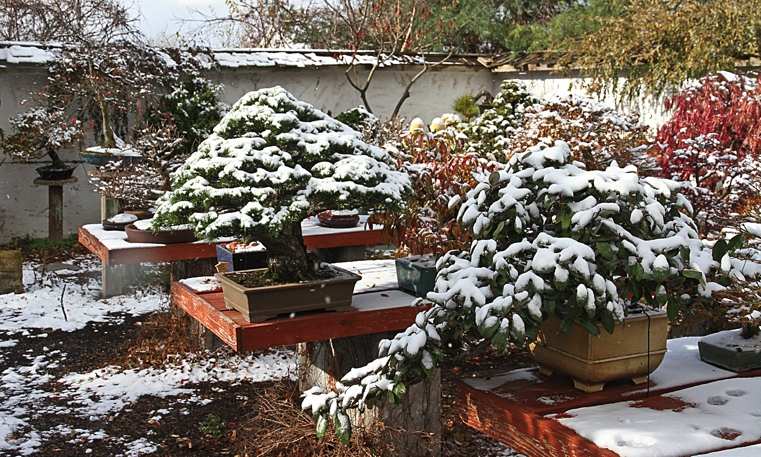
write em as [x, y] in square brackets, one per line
[416, 274]
[728, 355]
[258, 304]
[238, 261]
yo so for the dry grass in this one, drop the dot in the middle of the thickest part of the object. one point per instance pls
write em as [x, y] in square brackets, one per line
[278, 428]
[162, 335]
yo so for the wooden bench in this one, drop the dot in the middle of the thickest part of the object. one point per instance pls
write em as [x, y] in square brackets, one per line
[330, 344]
[545, 416]
[119, 257]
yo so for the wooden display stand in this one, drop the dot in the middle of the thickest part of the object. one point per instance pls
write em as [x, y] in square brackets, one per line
[121, 260]
[413, 425]
[55, 205]
[330, 344]
[525, 410]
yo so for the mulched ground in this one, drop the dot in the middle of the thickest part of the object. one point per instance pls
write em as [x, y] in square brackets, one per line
[222, 425]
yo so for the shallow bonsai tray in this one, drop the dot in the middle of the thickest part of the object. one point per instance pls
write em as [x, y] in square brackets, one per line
[135, 235]
[258, 304]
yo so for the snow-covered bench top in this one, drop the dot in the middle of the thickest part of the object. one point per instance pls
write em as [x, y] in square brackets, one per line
[691, 408]
[378, 306]
[113, 248]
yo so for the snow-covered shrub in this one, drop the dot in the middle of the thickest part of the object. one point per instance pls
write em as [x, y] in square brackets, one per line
[713, 140]
[551, 239]
[359, 119]
[439, 168]
[489, 133]
[595, 133]
[270, 162]
[40, 132]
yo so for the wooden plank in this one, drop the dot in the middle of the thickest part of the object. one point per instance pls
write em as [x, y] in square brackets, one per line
[92, 244]
[347, 239]
[241, 335]
[526, 432]
[165, 253]
[200, 309]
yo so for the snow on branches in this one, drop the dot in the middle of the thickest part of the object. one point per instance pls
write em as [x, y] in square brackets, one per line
[595, 133]
[270, 162]
[713, 140]
[551, 238]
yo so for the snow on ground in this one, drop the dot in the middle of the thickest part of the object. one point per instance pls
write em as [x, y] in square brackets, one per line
[25, 392]
[35, 387]
[110, 389]
[706, 417]
[40, 306]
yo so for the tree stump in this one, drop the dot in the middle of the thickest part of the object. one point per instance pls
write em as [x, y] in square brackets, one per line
[11, 277]
[414, 424]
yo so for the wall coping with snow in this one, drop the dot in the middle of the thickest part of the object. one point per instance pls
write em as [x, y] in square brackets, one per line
[32, 53]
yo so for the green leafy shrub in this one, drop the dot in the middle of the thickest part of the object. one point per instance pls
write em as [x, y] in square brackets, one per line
[551, 239]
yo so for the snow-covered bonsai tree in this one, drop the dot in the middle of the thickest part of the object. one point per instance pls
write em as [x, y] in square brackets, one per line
[551, 240]
[40, 132]
[270, 162]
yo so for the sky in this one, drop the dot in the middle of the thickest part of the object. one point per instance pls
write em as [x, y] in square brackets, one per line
[161, 18]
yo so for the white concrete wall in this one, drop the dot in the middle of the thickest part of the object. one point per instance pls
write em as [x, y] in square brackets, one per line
[546, 84]
[23, 206]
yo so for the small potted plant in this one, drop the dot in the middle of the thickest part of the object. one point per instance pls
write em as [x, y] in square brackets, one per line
[42, 132]
[270, 162]
[242, 256]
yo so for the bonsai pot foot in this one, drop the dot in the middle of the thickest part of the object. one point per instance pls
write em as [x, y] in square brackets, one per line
[588, 387]
[640, 379]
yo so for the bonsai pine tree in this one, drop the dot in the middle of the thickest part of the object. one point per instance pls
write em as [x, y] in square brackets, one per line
[551, 239]
[270, 162]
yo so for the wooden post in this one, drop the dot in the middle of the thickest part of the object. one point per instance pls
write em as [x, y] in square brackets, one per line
[11, 278]
[414, 424]
[55, 205]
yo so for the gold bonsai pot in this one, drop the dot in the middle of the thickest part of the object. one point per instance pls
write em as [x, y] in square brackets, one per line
[633, 351]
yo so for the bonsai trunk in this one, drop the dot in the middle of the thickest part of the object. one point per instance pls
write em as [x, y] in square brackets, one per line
[55, 159]
[287, 256]
[105, 119]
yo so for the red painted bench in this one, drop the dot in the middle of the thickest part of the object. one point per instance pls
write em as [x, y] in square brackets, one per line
[546, 416]
[113, 249]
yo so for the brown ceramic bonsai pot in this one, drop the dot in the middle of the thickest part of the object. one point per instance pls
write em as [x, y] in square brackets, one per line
[135, 235]
[633, 351]
[338, 219]
[261, 303]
